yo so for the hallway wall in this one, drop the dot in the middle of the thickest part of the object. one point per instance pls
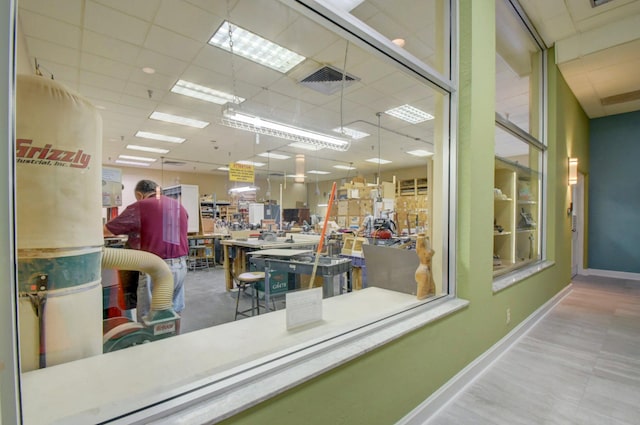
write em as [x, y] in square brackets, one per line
[614, 203]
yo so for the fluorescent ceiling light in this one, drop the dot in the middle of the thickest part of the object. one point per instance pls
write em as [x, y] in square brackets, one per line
[141, 164]
[305, 146]
[344, 167]
[161, 137]
[297, 176]
[378, 160]
[255, 164]
[323, 205]
[354, 134]
[147, 149]
[420, 152]
[242, 121]
[137, 158]
[409, 114]
[346, 5]
[176, 119]
[255, 48]
[223, 168]
[318, 172]
[243, 189]
[205, 93]
[272, 155]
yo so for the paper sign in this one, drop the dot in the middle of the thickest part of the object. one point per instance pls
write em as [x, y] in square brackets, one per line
[241, 173]
[304, 307]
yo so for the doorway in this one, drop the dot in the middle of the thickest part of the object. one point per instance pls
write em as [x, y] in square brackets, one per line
[577, 227]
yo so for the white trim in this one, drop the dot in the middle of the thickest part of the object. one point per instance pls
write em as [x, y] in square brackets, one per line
[448, 392]
[612, 273]
[247, 388]
[511, 279]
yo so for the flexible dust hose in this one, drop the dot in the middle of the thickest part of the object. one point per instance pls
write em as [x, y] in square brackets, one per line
[161, 276]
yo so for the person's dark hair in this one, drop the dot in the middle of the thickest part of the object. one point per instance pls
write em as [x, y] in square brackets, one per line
[146, 186]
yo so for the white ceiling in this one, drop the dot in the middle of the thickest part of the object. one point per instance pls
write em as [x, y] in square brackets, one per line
[99, 47]
[597, 49]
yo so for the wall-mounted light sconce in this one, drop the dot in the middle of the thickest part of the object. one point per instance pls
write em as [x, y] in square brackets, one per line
[573, 171]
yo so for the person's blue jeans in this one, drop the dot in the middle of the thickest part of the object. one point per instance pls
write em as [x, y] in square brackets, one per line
[145, 286]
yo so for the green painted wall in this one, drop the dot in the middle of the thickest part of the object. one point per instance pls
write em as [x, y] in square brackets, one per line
[382, 386]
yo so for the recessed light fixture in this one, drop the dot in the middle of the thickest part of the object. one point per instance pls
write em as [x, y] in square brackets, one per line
[137, 158]
[318, 172]
[243, 189]
[177, 119]
[344, 167]
[205, 93]
[255, 164]
[147, 149]
[148, 70]
[354, 134]
[378, 160]
[255, 48]
[420, 152]
[409, 114]
[139, 164]
[306, 146]
[272, 155]
[223, 168]
[161, 137]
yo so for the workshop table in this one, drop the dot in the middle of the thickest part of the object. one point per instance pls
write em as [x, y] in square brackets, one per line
[240, 261]
[295, 262]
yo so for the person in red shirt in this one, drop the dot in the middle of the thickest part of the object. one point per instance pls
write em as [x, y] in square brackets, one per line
[158, 224]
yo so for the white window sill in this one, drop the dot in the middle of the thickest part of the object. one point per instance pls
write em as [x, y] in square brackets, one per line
[220, 371]
[511, 279]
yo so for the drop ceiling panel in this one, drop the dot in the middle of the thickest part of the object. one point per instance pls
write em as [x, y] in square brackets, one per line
[187, 20]
[162, 64]
[100, 65]
[51, 30]
[172, 44]
[114, 24]
[144, 10]
[69, 11]
[47, 52]
[110, 48]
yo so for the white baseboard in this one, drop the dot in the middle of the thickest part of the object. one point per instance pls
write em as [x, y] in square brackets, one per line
[447, 393]
[612, 274]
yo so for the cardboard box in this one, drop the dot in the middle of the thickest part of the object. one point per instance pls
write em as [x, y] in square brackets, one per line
[366, 207]
[342, 221]
[353, 220]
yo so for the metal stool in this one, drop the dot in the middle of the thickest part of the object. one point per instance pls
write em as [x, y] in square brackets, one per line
[244, 281]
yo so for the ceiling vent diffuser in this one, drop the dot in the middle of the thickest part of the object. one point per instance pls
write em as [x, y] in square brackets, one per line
[176, 163]
[328, 80]
[621, 98]
[596, 3]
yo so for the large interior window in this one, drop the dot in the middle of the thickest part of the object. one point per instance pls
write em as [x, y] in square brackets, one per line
[518, 180]
[198, 96]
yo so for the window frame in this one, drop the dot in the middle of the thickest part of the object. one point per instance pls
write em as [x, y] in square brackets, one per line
[274, 372]
[506, 280]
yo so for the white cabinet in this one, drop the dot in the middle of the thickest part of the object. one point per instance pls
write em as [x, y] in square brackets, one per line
[189, 197]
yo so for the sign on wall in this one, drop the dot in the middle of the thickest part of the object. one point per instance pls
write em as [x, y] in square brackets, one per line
[241, 173]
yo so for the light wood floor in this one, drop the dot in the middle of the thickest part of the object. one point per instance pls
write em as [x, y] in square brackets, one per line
[579, 365]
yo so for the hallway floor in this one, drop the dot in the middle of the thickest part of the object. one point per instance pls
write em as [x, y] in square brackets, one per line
[580, 364]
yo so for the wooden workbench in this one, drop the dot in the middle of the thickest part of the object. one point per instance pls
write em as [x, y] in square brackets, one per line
[238, 261]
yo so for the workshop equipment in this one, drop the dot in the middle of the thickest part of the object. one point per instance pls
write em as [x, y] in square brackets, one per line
[60, 240]
[58, 175]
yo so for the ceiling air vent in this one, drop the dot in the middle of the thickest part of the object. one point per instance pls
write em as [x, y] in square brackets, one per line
[596, 3]
[621, 98]
[328, 80]
[176, 163]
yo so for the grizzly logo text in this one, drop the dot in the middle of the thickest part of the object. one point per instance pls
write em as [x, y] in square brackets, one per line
[27, 154]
